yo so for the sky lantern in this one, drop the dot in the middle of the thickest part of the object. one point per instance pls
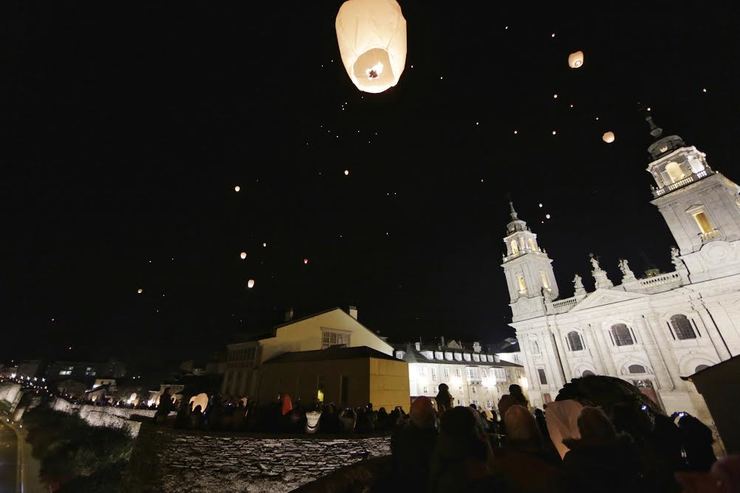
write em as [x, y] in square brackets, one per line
[199, 400]
[372, 43]
[139, 291]
[608, 137]
[250, 283]
[243, 255]
[237, 188]
[575, 59]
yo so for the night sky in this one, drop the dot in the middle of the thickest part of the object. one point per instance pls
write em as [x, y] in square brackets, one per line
[126, 129]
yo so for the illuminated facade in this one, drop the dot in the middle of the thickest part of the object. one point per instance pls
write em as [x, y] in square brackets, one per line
[473, 375]
[649, 331]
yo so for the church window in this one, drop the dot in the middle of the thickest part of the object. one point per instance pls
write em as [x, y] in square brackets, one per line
[587, 373]
[545, 281]
[543, 377]
[636, 369]
[532, 244]
[522, 284]
[674, 171]
[535, 347]
[703, 222]
[622, 335]
[514, 247]
[700, 368]
[682, 327]
[575, 343]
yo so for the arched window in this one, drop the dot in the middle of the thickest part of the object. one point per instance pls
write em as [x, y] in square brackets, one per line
[636, 369]
[535, 347]
[532, 244]
[514, 247]
[682, 327]
[574, 341]
[621, 335]
[587, 373]
[700, 368]
[521, 283]
[674, 171]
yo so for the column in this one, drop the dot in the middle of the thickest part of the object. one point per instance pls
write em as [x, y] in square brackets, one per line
[563, 354]
[712, 330]
[654, 355]
[604, 347]
[665, 349]
[595, 351]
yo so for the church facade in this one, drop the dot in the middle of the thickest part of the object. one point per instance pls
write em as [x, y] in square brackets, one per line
[648, 331]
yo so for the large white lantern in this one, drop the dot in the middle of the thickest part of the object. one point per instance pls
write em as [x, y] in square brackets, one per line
[372, 42]
[575, 59]
[608, 137]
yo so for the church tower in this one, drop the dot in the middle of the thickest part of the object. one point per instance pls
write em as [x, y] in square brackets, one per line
[528, 270]
[700, 206]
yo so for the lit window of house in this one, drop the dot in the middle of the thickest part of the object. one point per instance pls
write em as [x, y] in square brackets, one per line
[334, 338]
[66, 371]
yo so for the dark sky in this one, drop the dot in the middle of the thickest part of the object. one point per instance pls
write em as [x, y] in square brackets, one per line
[127, 127]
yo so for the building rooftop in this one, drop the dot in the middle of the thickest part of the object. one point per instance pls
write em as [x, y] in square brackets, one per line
[330, 353]
[458, 357]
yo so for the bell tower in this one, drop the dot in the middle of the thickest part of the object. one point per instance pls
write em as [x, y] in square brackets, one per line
[700, 206]
[528, 270]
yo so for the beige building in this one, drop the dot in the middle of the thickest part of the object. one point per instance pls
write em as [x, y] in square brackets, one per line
[317, 332]
[346, 376]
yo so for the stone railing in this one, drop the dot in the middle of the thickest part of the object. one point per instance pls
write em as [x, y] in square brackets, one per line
[657, 192]
[665, 281]
[564, 305]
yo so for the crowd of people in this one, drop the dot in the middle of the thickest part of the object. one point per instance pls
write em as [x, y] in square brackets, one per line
[444, 448]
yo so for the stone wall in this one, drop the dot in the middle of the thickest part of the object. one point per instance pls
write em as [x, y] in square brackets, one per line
[107, 416]
[170, 460]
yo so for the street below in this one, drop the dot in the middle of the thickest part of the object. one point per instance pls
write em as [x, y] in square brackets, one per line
[8, 459]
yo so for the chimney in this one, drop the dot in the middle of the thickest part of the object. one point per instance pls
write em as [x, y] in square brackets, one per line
[417, 345]
[289, 314]
[476, 347]
[353, 311]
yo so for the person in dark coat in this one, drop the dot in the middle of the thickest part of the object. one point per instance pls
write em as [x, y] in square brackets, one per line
[412, 446]
[462, 458]
[696, 439]
[444, 399]
[601, 460]
[515, 397]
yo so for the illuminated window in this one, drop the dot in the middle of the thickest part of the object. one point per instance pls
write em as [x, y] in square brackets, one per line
[332, 338]
[66, 371]
[514, 247]
[522, 284]
[682, 327]
[621, 335]
[703, 222]
[532, 244]
[574, 341]
[545, 281]
[674, 171]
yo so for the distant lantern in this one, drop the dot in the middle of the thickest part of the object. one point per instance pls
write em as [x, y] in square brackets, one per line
[139, 290]
[250, 283]
[575, 59]
[346, 172]
[243, 255]
[305, 261]
[372, 43]
[608, 137]
[237, 188]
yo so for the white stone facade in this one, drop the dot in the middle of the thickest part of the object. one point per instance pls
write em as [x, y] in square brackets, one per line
[649, 331]
[472, 377]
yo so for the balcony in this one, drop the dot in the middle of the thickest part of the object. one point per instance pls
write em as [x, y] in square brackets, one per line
[710, 236]
[657, 192]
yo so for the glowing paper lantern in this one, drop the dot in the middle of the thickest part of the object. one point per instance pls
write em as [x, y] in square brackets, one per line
[237, 188]
[608, 137]
[243, 255]
[250, 283]
[372, 43]
[575, 59]
[139, 290]
[199, 400]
